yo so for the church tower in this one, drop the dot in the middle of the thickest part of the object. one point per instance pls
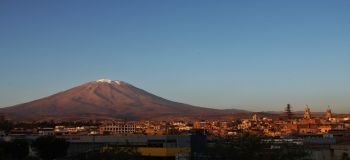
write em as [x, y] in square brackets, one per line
[328, 113]
[307, 112]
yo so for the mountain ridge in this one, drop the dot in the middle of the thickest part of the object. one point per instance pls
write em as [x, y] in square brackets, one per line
[106, 99]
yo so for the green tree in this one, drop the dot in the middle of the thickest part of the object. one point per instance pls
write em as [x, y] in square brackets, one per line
[248, 147]
[6, 126]
[288, 111]
[50, 147]
[14, 150]
[111, 152]
[243, 148]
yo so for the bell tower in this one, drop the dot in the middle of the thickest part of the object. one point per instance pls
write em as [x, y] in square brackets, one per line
[307, 112]
[328, 113]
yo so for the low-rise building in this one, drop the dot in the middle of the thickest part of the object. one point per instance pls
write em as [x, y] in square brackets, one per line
[120, 128]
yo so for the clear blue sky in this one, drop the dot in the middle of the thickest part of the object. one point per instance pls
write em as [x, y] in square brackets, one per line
[254, 55]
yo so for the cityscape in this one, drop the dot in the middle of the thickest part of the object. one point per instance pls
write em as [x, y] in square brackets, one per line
[174, 80]
[305, 135]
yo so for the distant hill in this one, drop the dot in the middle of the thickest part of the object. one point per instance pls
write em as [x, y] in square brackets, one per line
[107, 100]
[235, 111]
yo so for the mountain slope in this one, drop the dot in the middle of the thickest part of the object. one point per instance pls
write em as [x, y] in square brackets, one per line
[104, 99]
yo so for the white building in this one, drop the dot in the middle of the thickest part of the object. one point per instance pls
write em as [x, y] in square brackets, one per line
[123, 128]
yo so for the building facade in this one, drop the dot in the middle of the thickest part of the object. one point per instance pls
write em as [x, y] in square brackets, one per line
[118, 129]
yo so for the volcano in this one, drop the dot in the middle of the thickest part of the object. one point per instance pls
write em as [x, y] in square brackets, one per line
[105, 100]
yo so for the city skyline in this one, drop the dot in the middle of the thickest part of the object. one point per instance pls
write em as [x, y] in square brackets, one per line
[256, 57]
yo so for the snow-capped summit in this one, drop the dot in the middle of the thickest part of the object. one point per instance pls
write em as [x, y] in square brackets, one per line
[108, 81]
[104, 80]
[118, 82]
